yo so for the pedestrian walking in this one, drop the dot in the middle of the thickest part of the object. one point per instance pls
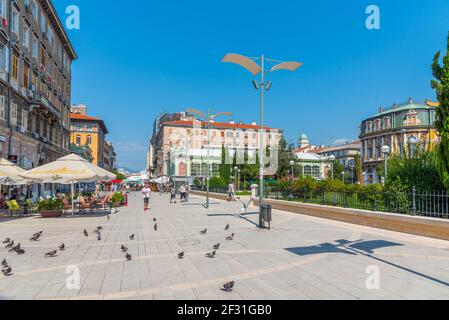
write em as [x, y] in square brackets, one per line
[231, 192]
[173, 194]
[146, 193]
[182, 191]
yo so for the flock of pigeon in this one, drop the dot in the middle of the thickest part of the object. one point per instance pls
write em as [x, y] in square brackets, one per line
[228, 287]
[17, 248]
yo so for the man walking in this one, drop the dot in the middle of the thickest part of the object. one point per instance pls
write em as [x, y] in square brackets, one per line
[182, 191]
[231, 191]
[146, 193]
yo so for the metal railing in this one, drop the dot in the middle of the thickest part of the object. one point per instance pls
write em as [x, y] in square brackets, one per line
[433, 204]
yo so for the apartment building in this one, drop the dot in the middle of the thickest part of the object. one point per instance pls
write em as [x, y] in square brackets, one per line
[398, 127]
[87, 131]
[35, 83]
[179, 144]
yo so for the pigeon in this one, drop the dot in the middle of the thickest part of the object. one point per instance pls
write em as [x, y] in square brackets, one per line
[155, 227]
[154, 220]
[211, 255]
[128, 257]
[231, 237]
[204, 231]
[7, 240]
[51, 254]
[100, 228]
[227, 227]
[7, 271]
[99, 237]
[181, 255]
[228, 287]
[62, 247]
[20, 251]
[124, 249]
[38, 233]
[35, 237]
[10, 245]
[85, 233]
[15, 248]
[217, 246]
[131, 237]
[5, 263]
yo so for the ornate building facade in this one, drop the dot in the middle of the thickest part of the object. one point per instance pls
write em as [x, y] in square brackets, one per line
[397, 127]
[35, 83]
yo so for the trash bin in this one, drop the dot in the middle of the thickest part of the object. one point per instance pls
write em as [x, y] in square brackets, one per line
[266, 213]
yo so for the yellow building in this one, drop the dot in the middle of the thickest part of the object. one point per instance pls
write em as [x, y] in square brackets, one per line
[86, 130]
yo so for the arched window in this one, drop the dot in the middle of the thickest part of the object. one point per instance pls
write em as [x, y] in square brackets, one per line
[89, 140]
[78, 140]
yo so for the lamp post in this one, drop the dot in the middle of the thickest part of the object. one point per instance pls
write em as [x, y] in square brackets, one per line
[292, 165]
[412, 142]
[385, 151]
[343, 174]
[207, 119]
[238, 180]
[249, 63]
[332, 160]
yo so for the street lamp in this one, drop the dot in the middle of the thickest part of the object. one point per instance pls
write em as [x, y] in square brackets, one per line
[292, 165]
[238, 180]
[249, 63]
[207, 119]
[412, 142]
[332, 160]
[343, 176]
[385, 151]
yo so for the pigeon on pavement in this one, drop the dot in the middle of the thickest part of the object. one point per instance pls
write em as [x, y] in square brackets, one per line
[228, 287]
[181, 255]
[211, 255]
[51, 254]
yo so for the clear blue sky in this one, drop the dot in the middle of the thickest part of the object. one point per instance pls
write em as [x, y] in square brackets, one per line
[140, 58]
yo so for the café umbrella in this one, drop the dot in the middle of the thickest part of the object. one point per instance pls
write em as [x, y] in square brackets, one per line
[70, 169]
[10, 174]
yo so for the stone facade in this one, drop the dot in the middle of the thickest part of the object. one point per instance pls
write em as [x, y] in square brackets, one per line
[35, 83]
[395, 128]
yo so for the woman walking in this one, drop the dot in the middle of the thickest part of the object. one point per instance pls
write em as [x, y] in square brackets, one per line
[146, 193]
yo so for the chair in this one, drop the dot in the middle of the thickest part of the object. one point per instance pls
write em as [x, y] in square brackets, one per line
[13, 207]
[66, 206]
[85, 205]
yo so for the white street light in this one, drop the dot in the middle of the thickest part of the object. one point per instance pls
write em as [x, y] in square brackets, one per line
[386, 152]
[249, 64]
[292, 164]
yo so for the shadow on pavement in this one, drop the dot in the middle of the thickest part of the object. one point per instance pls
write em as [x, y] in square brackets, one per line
[360, 247]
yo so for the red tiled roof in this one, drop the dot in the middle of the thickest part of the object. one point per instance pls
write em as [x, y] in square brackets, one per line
[218, 125]
[80, 117]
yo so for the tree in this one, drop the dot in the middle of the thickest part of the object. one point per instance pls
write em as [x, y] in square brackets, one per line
[441, 86]
[225, 169]
[358, 169]
[285, 155]
[338, 170]
[120, 176]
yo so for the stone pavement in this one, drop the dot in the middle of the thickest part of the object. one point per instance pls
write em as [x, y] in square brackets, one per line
[300, 258]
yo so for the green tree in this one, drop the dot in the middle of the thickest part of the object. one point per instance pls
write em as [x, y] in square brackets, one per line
[358, 169]
[285, 155]
[225, 169]
[338, 170]
[441, 86]
[120, 176]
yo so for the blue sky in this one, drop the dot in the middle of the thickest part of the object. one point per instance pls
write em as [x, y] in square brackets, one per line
[138, 59]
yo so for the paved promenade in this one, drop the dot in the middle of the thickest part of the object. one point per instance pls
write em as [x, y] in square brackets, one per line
[300, 258]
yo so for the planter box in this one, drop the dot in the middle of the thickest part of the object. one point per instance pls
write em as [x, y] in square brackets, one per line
[52, 214]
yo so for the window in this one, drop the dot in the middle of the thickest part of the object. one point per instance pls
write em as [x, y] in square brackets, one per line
[14, 114]
[2, 107]
[26, 35]
[15, 68]
[26, 76]
[3, 8]
[34, 47]
[15, 21]
[34, 9]
[25, 119]
[3, 57]
[43, 56]
[43, 23]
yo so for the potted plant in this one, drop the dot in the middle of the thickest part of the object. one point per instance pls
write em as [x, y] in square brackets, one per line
[117, 200]
[51, 208]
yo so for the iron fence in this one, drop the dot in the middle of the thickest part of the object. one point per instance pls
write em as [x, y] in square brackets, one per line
[427, 204]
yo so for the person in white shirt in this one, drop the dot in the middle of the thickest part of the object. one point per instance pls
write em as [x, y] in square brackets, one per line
[231, 191]
[146, 193]
[182, 191]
